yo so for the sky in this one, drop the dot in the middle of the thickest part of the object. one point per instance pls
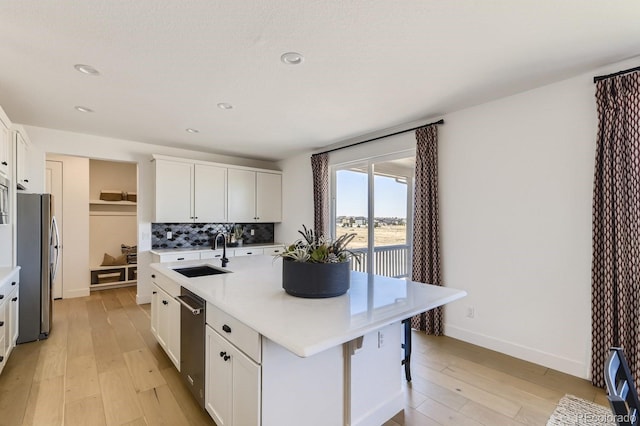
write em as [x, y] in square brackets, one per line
[390, 198]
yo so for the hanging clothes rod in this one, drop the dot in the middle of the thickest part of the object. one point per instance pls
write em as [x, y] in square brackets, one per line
[441, 121]
[615, 74]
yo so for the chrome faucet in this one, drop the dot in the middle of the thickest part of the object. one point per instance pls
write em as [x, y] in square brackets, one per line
[224, 247]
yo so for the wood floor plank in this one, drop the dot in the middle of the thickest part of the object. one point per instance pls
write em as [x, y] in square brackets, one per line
[451, 399]
[21, 366]
[119, 396]
[82, 378]
[86, 411]
[106, 349]
[50, 402]
[13, 404]
[486, 416]
[161, 408]
[52, 362]
[445, 415]
[191, 409]
[143, 370]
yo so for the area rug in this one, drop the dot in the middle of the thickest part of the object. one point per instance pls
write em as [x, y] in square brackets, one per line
[575, 411]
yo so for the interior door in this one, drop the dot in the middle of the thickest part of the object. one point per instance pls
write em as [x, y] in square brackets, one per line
[54, 187]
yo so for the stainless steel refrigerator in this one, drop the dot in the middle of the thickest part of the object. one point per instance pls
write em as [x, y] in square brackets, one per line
[38, 241]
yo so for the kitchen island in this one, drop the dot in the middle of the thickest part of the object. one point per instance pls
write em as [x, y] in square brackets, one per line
[299, 361]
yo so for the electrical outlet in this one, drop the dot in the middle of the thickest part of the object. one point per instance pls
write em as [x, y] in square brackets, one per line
[380, 339]
[253, 232]
[169, 235]
[471, 312]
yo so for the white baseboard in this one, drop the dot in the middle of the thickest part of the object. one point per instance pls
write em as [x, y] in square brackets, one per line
[70, 294]
[382, 413]
[141, 300]
[569, 366]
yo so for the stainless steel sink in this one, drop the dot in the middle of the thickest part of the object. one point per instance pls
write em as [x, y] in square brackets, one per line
[199, 271]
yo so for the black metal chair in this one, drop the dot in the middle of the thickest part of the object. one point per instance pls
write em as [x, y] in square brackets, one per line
[623, 395]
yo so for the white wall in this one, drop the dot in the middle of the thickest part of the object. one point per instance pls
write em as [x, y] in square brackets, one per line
[89, 146]
[297, 197]
[516, 179]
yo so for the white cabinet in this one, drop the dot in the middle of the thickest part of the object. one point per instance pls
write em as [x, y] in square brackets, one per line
[254, 196]
[5, 143]
[232, 393]
[165, 322]
[8, 316]
[188, 192]
[22, 162]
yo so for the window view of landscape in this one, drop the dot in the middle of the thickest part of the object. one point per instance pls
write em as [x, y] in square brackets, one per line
[388, 253]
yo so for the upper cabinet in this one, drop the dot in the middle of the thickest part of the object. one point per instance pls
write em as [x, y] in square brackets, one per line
[197, 191]
[254, 196]
[22, 162]
[5, 143]
[190, 192]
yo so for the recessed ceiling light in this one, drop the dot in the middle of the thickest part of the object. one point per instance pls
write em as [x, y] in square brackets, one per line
[292, 58]
[190, 130]
[224, 105]
[83, 109]
[86, 69]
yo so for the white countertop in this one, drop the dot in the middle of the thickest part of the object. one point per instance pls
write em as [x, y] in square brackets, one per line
[205, 249]
[253, 294]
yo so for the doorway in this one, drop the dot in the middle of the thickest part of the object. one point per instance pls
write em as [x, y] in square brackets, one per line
[373, 198]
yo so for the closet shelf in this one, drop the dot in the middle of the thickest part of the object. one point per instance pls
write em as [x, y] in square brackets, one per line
[113, 203]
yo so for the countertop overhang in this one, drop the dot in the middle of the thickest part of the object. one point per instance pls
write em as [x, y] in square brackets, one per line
[252, 293]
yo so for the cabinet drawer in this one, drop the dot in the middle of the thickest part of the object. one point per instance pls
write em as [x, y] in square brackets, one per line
[212, 254]
[8, 285]
[176, 257]
[248, 252]
[243, 337]
[171, 287]
[272, 251]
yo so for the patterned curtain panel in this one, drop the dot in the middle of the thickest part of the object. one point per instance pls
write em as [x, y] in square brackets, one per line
[615, 270]
[320, 168]
[426, 232]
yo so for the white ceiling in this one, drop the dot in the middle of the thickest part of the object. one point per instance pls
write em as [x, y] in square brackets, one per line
[369, 65]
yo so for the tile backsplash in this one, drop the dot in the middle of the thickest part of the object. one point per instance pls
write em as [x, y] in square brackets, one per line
[198, 235]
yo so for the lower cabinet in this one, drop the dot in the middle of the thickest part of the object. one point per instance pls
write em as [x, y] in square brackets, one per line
[165, 323]
[8, 317]
[232, 388]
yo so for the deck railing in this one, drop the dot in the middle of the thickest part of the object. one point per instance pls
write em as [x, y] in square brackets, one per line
[390, 261]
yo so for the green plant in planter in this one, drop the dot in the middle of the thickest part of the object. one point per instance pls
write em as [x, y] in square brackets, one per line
[238, 232]
[314, 248]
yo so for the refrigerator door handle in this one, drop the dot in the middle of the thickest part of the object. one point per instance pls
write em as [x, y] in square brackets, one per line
[55, 245]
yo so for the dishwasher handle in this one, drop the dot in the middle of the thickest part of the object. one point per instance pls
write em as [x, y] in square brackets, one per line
[183, 302]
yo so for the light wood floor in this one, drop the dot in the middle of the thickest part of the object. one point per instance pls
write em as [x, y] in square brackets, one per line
[101, 365]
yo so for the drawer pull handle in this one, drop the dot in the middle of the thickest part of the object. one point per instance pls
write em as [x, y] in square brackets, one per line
[276, 251]
[153, 275]
[226, 328]
[1, 358]
[164, 302]
[181, 258]
[13, 283]
[1, 296]
[14, 299]
[222, 354]
[4, 163]
[155, 292]
[226, 357]
[1, 323]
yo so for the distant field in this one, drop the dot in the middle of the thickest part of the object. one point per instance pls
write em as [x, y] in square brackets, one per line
[384, 235]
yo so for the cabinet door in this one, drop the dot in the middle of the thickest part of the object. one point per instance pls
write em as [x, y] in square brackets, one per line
[246, 389]
[21, 162]
[268, 197]
[155, 320]
[173, 343]
[210, 194]
[163, 318]
[5, 141]
[218, 391]
[241, 195]
[174, 191]
[4, 333]
[13, 317]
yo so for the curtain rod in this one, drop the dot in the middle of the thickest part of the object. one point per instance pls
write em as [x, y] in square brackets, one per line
[441, 121]
[615, 74]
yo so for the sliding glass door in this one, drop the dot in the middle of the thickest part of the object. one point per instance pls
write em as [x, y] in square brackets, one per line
[373, 199]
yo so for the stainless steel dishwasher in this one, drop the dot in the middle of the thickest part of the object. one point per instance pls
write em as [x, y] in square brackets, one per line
[192, 335]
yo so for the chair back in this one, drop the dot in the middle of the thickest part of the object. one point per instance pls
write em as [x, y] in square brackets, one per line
[623, 395]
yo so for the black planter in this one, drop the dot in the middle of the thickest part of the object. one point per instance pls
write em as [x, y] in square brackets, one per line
[315, 280]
